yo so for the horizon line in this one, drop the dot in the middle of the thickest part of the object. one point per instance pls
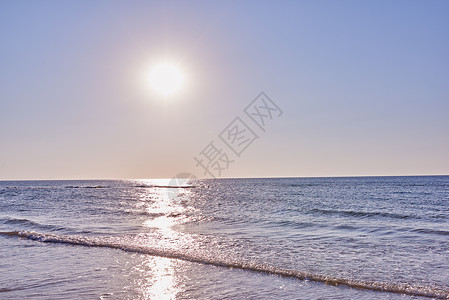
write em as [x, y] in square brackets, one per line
[210, 178]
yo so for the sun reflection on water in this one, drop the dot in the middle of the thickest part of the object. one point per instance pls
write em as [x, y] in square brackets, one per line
[161, 280]
[163, 211]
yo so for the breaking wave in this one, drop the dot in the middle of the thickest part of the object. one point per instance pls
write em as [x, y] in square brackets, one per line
[260, 268]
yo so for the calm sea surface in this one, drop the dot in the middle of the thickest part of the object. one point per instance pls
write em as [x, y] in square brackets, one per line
[289, 238]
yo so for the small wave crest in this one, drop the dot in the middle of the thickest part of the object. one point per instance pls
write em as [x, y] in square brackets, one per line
[361, 214]
[28, 223]
[86, 187]
[431, 231]
[166, 186]
[367, 285]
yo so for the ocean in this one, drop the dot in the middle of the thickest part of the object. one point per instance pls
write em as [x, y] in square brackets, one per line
[269, 238]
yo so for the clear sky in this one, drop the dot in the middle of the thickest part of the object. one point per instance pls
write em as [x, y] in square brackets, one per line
[363, 86]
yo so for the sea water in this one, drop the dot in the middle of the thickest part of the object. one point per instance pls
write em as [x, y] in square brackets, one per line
[280, 238]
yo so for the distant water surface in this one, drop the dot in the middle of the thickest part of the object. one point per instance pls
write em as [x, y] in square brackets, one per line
[289, 238]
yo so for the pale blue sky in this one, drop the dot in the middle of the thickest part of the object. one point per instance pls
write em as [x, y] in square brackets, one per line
[364, 86]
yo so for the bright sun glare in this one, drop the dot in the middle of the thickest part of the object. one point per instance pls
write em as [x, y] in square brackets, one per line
[166, 78]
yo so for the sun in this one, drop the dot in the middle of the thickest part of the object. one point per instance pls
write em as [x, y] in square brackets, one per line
[166, 78]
